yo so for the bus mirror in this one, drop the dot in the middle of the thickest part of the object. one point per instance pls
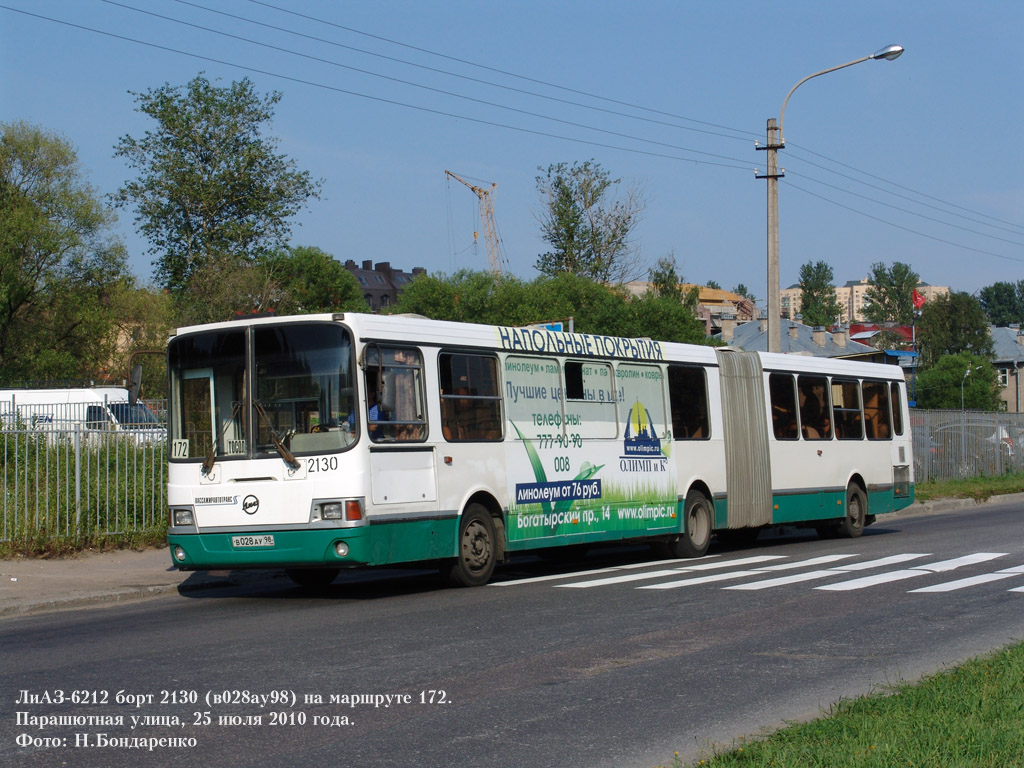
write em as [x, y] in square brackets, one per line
[135, 383]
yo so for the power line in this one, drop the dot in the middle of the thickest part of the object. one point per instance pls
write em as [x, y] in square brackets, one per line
[730, 162]
[498, 71]
[908, 198]
[900, 226]
[431, 89]
[393, 102]
[907, 211]
[448, 73]
[908, 189]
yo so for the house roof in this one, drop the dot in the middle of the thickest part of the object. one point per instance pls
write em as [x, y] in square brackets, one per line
[751, 338]
[1004, 343]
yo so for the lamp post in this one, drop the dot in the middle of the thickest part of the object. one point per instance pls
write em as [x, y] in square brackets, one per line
[964, 381]
[776, 141]
[963, 416]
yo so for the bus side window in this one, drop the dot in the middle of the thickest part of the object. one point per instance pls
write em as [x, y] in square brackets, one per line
[470, 397]
[590, 398]
[688, 400]
[399, 416]
[897, 408]
[782, 389]
[849, 424]
[876, 410]
[815, 410]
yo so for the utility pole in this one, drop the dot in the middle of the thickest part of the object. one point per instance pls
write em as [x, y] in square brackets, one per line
[776, 141]
[772, 177]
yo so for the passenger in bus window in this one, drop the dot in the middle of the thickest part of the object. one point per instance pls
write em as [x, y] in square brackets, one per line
[457, 412]
[374, 412]
[810, 414]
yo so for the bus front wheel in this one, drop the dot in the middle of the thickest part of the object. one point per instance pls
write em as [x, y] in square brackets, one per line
[477, 555]
[852, 525]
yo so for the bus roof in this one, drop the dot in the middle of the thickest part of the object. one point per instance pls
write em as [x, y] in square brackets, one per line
[415, 329]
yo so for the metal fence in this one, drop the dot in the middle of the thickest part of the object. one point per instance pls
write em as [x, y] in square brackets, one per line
[950, 445]
[66, 479]
[67, 474]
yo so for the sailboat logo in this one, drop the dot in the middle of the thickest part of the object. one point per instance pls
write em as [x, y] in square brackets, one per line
[640, 439]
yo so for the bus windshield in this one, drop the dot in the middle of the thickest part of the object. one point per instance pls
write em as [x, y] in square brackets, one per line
[244, 393]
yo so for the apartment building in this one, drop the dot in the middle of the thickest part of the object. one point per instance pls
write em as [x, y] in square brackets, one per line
[851, 297]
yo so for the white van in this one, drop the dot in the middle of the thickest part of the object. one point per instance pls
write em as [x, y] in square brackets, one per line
[63, 411]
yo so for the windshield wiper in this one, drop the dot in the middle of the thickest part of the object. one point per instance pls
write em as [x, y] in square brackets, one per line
[211, 457]
[290, 460]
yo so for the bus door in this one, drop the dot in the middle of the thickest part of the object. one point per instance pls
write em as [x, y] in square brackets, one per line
[806, 455]
[403, 474]
[748, 461]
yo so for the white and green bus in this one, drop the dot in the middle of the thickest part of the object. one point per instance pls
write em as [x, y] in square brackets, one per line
[322, 442]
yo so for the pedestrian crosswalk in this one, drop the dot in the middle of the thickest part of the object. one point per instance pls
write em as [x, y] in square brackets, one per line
[840, 572]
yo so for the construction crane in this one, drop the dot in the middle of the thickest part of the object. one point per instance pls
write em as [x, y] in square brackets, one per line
[487, 220]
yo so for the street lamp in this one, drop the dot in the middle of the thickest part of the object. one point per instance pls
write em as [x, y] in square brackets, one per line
[964, 381]
[776, 141]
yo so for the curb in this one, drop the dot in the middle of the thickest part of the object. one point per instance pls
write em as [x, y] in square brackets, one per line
[195, 582]
[939, 506]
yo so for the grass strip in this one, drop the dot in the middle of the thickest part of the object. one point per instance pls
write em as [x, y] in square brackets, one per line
[970, 715]
[979, 488]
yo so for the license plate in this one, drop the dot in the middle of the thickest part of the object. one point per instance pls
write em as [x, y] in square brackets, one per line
[266, 540]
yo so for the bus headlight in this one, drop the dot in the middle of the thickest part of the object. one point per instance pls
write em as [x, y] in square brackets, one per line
[341, 510]
[181, 517]
[341, 548]
[179, 554]
[332, 510]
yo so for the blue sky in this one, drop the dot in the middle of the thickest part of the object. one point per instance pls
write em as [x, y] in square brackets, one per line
[913, 160]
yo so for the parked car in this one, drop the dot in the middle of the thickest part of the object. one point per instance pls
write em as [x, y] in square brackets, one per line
[62, 412]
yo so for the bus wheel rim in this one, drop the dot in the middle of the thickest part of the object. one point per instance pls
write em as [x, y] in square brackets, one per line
[475, 546]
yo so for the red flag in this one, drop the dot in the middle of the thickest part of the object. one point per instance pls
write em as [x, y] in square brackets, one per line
[918, 299]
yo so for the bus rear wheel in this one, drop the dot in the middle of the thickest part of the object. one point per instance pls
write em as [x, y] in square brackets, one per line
[477, 555]
[697, 526]
[312, 577]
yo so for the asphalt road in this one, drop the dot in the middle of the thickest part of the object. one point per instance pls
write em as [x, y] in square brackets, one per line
[616, 660]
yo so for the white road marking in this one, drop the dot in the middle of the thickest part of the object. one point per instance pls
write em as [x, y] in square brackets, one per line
[822, 574]
[619, 579]
[795, 578]
[700, 580]
[674, 572]
[910, 573]
[951, 586]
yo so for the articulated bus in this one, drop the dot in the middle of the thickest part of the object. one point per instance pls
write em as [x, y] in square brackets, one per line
[322, 442]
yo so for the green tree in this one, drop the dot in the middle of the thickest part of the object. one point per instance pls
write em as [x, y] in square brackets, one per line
[890, 297]
[211, 188]
[595, 308]
[309, 280]
[743, 291]
[665, 319]
[950, 325]
[586, 228]
[665, 280]
[143, 319]
[1003, 302]
[818, 302]
[59, 264]
[714, 285]
[222, 288]
[940, 385]
[470, 297]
